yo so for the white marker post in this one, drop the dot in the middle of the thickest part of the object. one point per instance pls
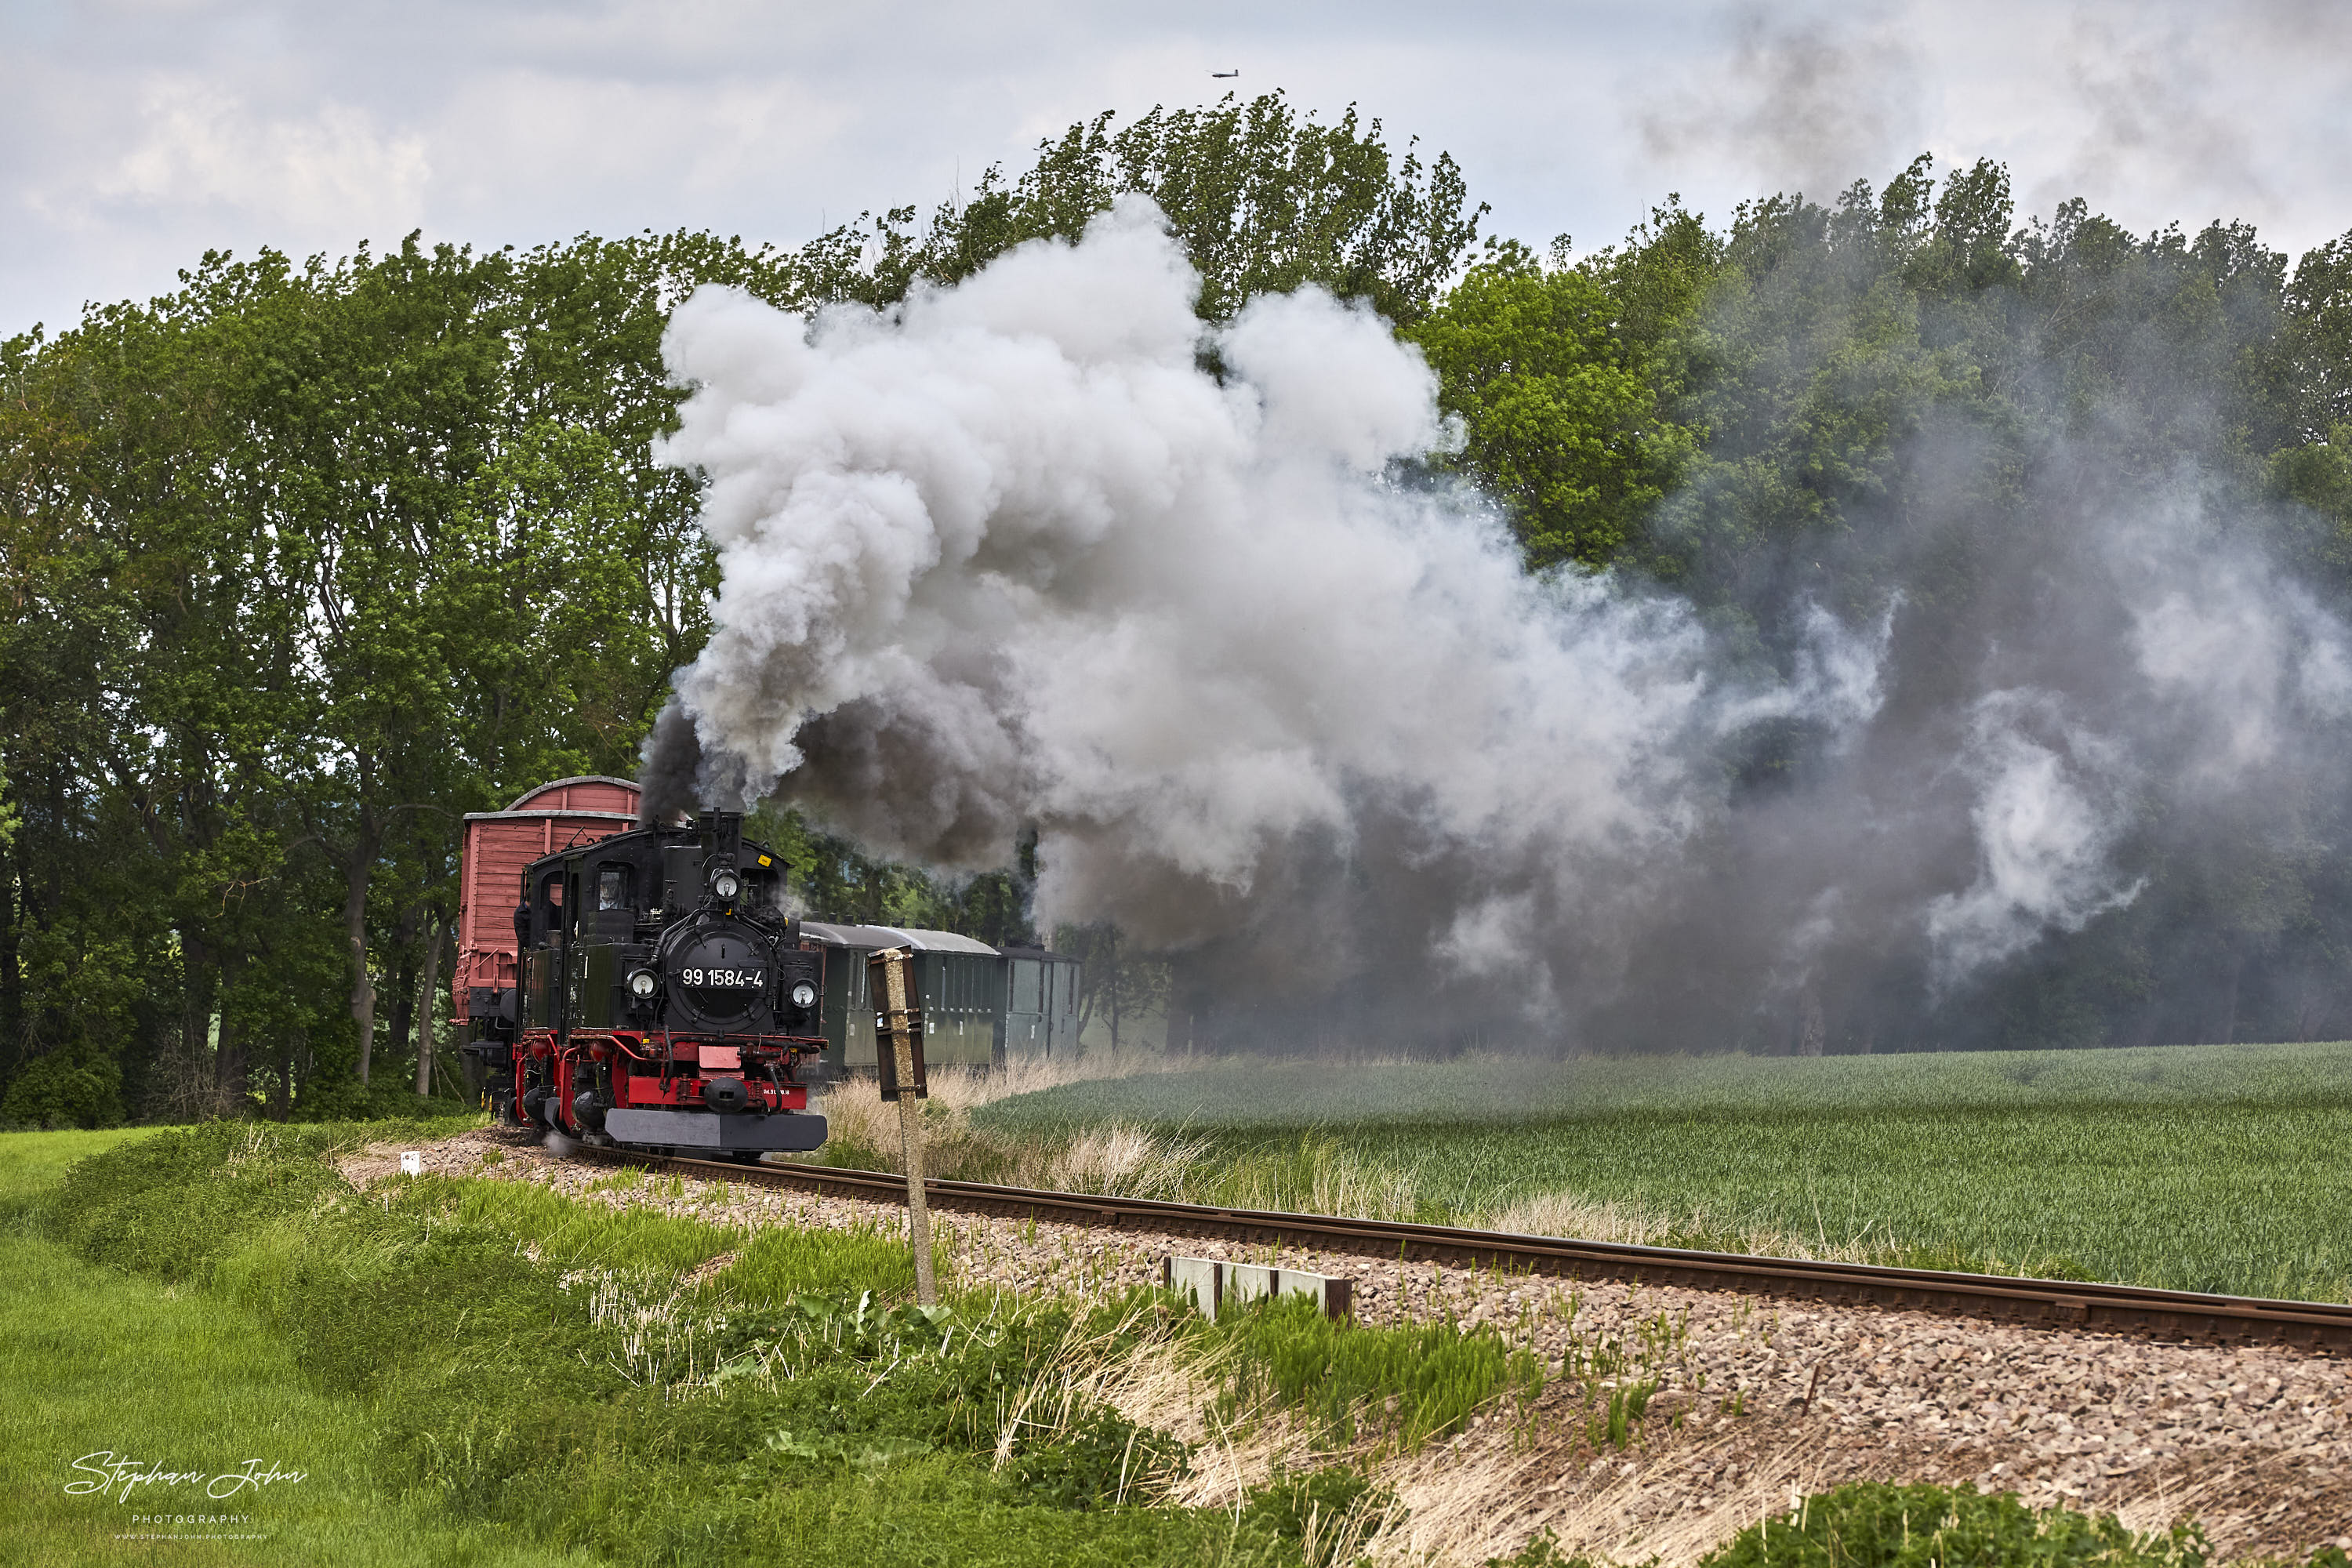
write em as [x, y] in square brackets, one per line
[899, 1060]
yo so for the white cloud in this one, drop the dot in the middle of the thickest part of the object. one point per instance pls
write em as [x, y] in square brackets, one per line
[2050, 803]
[133, 137]
[201, 145]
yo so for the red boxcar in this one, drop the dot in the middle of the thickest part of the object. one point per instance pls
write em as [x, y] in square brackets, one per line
[498, 845]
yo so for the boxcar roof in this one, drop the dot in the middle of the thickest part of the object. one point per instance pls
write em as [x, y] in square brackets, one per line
[597, 792]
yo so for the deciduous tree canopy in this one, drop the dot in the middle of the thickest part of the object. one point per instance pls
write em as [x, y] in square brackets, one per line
[305, 561]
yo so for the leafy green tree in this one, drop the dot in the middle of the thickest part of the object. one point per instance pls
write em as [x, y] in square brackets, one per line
[831, 879]
[2311, 382]
[1884, 388]
[306, 560]
[310, 561]
[1263, 199]
[1560, 423]
[143, 683]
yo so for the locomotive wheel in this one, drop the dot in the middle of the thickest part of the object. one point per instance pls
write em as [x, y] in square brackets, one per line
[743, 1156]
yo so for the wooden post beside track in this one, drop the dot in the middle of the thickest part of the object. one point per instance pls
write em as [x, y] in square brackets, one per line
[899, 1061]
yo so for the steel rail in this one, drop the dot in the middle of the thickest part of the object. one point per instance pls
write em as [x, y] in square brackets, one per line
[2324, 1327]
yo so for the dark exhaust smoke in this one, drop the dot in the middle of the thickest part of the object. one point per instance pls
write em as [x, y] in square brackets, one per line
[669, 776]
[1011, 557]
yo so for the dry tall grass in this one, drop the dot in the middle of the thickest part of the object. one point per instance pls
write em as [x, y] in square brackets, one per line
[1476, 1510]
[1319, 1175]
[1118, 1159]
[1574, 1215]
[1158, 1381]
[1320, 1178]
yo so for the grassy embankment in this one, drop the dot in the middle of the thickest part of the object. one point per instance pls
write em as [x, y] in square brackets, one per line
[97, 1361]
[2203, 1168]
[484, 1371]
[473, 1372]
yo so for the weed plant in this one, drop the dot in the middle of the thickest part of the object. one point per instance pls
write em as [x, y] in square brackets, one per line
[1891, 1526]
[1413, 1382]
[559, 1230]
[1322, 1513]
[1881, 1524]
[785, 1265]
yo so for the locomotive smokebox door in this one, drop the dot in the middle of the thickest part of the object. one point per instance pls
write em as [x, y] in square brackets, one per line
[897, 1023]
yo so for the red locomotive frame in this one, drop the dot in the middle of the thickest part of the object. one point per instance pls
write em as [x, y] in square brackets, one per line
[690, 1062]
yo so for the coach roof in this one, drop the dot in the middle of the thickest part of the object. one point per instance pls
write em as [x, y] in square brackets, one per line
[894, 936]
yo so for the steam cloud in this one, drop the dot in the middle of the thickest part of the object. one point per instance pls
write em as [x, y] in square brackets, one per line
[1797, 99]
[1014, 557]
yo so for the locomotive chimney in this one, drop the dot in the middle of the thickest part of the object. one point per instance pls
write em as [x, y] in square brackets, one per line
[723, 836]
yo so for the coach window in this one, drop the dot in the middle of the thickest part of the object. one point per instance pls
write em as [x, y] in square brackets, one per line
[613, 888]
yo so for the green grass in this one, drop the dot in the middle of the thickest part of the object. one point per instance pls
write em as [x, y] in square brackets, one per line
[96, 1362]
[93, 1363]
[780, 1264]
[30, 1162]
[571, 1234]
[1425, 1380]
[1874, 1524]
[472, 1372]
[2201, 1168]
[510, 1365]
[1242, 1093]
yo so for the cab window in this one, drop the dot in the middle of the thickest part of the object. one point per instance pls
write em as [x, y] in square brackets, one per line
[549, 911]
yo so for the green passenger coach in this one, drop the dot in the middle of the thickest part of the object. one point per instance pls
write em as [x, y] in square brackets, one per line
[983, 1007]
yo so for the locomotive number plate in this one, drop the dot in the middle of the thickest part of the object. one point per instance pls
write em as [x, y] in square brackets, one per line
[722, 979]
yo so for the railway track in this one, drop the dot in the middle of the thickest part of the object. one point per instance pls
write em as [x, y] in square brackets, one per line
[2181, 1315]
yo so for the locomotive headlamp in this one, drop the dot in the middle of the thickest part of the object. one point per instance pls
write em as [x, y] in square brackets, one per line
[725, 884]
[804, 995]
[643, 984]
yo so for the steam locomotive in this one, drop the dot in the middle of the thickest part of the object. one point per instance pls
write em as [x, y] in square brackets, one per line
[662, 999]
[650, 987]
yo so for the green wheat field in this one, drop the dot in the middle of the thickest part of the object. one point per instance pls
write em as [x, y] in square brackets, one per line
[2221, 1168]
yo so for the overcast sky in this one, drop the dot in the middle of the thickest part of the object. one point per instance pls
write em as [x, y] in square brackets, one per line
[133, 136]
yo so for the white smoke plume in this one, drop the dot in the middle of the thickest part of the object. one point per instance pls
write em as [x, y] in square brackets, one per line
[1015, 556]
[1042, 550]
[2048, 810]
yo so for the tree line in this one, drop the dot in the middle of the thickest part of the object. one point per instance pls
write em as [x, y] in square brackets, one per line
[309, 559]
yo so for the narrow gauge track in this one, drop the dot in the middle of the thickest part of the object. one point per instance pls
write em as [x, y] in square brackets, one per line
[2318, 1326]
